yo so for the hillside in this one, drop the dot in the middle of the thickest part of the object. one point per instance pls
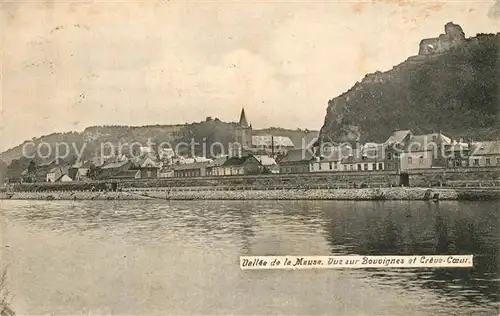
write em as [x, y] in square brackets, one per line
[452, 85]
[89, 141]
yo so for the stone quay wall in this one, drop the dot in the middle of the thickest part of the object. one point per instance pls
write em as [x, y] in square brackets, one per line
[302, 180]
[451, 178]
[459, 177]
[69, 195]
[378, 194]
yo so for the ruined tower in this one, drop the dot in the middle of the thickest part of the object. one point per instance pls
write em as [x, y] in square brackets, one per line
[453, 37]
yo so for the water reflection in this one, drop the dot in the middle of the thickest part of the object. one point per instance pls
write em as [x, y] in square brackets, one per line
[431, 228]
[160, 231]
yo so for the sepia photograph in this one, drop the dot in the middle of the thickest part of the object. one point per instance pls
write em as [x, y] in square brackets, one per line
[244, 157]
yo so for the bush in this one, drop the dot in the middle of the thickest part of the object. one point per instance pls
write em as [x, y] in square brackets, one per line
[5, 309]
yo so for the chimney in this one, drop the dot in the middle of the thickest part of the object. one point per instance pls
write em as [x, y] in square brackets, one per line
[320, 149]
[272, 146]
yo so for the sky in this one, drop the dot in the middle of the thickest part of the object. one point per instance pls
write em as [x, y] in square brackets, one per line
[66, 66]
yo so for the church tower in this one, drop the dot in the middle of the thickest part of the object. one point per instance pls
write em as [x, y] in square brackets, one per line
[243, 119]
[244, 131]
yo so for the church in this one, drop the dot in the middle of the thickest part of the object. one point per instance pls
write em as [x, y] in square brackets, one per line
[244, 134]
[258, 143]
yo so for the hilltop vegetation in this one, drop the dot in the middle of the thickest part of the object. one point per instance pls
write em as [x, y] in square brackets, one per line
[454, 90]
[89, 142]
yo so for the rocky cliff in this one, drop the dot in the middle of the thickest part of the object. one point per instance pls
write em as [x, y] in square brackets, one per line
[451, 85]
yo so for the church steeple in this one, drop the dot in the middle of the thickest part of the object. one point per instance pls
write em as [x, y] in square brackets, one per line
[243, 118]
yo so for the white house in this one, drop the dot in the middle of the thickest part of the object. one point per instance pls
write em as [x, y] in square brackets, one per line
[55, 173]
[330, 159]
[215, 167]
[368, 158]
[52, 175]
[485, 154]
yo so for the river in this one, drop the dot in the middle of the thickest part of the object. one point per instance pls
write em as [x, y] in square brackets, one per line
[182, 257]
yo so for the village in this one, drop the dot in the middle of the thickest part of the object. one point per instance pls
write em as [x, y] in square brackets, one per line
[401, 152]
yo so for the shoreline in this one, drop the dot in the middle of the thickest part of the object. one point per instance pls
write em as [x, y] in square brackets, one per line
[360, 194]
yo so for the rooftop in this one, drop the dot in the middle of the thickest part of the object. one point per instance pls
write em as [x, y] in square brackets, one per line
[335, 153]
[59, 169]
[237, 161]
[397, 136]
[297, 155]
[485, 148]
[426, 142]
[265, 160]
[268, 140]
[113, 165]
[366, 154]
[125, 174]
[217, 162]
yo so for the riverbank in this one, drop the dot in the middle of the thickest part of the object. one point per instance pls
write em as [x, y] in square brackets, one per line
[68, 195]
[395, 193]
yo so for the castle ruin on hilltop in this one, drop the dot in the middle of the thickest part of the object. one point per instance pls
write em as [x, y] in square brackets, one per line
[453, 37]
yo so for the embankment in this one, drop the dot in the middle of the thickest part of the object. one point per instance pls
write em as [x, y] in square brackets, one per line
[448, 178]
[68, 195]
[395, 193]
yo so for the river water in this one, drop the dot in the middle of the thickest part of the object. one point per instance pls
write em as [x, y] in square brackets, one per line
[182, 257]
